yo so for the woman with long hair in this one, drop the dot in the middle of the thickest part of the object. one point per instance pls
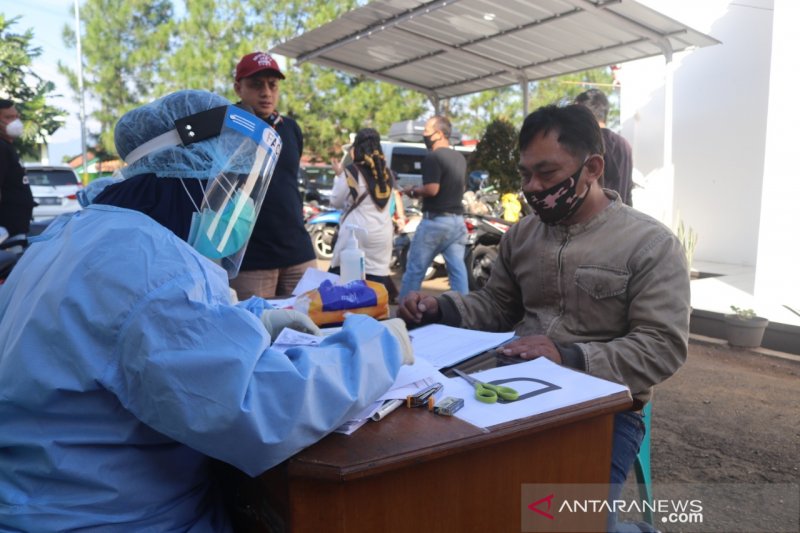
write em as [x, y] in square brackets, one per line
[364, 191]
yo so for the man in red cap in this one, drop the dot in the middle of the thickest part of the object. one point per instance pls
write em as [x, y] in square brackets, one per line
[280, 249]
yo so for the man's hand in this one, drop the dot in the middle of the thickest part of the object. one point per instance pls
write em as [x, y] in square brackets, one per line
[532, 347]
[337, 166]
[417, 308]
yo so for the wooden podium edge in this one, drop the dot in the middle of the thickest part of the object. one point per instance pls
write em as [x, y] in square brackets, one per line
[299, 467]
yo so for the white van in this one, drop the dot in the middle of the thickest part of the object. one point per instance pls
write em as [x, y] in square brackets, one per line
[405, 159]
[404, 151]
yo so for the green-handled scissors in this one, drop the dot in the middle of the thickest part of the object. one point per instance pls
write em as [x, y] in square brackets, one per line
[487, 392]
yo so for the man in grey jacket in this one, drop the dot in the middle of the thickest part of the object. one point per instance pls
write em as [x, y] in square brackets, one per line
[589, 282]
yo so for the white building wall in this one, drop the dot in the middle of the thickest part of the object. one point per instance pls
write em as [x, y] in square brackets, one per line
[719, 127]
[778, 262]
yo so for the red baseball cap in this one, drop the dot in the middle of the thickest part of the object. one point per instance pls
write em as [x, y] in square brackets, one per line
[257, 62]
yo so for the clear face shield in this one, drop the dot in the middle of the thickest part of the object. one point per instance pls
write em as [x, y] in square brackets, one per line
[232, 200]
[245, 150]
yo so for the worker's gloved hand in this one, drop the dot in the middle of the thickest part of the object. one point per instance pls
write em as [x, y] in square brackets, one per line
[398, 328]
[275, 320]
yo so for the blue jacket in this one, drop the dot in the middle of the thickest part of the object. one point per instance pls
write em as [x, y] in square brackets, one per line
[124, 367]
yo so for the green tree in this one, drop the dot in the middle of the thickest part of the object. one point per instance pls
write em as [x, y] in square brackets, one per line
[331, 105]
[563, 89]
[207, 41]
[328, 104]
[123, 44]
[498, 154]
[472, 113]
[135, 51]
[27, 89]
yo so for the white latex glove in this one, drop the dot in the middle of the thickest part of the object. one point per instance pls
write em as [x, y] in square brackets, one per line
[397, 327]
[275, 320]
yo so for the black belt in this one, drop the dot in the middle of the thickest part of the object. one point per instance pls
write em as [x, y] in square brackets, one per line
[434, 214]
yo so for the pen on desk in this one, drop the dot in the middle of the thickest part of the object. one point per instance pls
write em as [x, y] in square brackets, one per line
[384, 410]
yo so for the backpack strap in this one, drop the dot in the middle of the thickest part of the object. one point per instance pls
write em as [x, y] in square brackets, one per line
[350, 172]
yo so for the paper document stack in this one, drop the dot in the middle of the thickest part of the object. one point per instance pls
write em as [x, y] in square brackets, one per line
[410, 380]
[543, 386]
[445, 346]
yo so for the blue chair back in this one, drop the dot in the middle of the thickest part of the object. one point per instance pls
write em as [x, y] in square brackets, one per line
[642, 464]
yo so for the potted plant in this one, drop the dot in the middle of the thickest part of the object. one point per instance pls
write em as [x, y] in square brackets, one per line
[744, 328]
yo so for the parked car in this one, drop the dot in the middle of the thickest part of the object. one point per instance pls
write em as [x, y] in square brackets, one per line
[316, 183]
[54, 188]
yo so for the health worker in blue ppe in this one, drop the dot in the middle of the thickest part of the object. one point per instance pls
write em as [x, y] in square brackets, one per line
[125, 366]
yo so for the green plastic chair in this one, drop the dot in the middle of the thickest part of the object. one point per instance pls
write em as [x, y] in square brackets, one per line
[642, 465]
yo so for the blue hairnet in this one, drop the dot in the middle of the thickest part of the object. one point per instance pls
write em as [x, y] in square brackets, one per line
[202, 160]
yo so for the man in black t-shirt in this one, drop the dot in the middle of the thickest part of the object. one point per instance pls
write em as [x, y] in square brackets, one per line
[618, 158]
[16, 200]
[442, 227]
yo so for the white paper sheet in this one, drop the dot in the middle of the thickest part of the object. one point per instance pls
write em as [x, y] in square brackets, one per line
[573, 388]
[445, 346]
[289, 338]
[312, 279]
[410, 380]
[349, 427]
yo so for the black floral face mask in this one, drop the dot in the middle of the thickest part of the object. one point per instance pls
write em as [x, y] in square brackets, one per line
[560, 201]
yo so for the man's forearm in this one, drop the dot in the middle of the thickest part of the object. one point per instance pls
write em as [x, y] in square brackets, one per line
[448, 312]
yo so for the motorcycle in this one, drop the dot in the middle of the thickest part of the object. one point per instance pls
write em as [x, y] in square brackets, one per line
[323, 228]
[483, 240]
[11, 249]
[310, 209]
[484, 201]
[7, 258]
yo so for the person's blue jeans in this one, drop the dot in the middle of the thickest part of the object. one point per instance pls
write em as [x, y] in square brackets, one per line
[628, 435]
[446, 235]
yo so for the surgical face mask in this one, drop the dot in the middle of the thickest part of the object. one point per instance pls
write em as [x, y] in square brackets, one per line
[220, 234]
[428, 139]
[14, 128]
[560, 201]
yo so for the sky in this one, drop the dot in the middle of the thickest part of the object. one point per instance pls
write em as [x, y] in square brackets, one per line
[47, 18]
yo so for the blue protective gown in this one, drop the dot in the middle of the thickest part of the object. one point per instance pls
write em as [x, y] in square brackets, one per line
[124, 367]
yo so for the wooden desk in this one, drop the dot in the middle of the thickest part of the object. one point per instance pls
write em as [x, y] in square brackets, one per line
[418, 471]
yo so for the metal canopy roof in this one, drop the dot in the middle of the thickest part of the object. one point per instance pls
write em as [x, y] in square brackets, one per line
[447, 48]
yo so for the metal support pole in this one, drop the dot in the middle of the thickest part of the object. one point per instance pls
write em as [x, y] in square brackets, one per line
[435, 102]
[523, 82]
[85, 177]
